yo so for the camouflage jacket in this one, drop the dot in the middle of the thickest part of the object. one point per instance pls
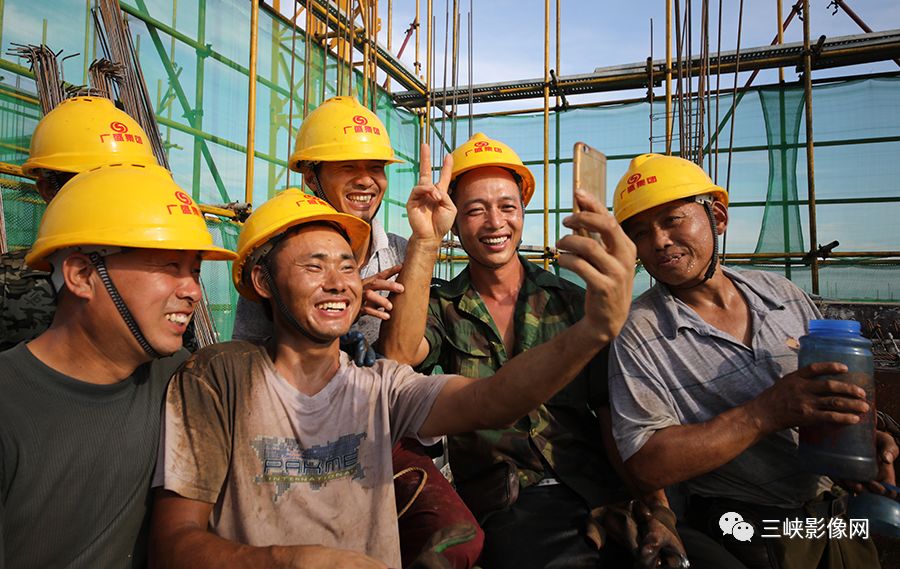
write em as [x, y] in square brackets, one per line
[27, 300]
[560, 439]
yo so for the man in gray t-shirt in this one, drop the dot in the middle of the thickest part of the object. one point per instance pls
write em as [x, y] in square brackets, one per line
[386, 252]
[704, 384]
[307, 482]
[342, 151]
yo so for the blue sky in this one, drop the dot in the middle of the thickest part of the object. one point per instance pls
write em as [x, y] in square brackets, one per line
[509, 35]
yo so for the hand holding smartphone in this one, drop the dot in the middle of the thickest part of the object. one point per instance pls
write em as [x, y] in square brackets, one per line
[588, 175]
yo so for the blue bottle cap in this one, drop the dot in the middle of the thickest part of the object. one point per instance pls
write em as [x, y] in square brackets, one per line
[843, 327]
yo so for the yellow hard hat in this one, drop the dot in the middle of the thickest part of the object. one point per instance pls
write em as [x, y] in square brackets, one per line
[655, 179]
[341, 129]
[123, 205]
[480, 151]
[289, 208]
[84, 132]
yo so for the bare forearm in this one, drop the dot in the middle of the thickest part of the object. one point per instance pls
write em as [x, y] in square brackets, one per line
[521, 385]
[401, 335]
[196, 548]
[534, 376]
[682, 452]
[655, 498]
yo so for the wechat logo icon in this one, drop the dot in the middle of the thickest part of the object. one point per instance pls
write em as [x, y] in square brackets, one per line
[733, 524]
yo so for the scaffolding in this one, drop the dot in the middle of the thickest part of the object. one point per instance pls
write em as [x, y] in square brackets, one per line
[228, 137]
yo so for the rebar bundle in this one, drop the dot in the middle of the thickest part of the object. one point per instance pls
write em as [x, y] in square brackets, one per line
[106, 76]
[45, 66]
[118, 47]
[115, 40]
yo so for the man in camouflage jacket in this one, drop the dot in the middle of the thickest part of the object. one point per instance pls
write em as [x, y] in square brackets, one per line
[27, 300]
[534, 483]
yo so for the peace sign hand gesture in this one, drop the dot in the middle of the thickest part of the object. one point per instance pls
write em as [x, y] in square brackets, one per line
[429, 208]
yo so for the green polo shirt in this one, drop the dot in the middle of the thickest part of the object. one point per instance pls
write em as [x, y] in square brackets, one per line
[561, 438]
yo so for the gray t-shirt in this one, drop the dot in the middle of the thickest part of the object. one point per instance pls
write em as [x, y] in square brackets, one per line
[282, 467]
[77, 461]
[669, 367]
[388, 249]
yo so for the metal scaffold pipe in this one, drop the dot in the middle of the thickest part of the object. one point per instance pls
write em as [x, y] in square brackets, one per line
[251, 103]
[810, 162]
[547, 129]
[780, 39]
[428, 69]
[669, 116]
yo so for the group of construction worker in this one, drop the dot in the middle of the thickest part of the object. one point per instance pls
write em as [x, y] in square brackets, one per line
[582, 429]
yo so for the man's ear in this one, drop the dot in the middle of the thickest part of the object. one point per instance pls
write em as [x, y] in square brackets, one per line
[720, 214]
[76, 272]
[310, 180]
[260, 282]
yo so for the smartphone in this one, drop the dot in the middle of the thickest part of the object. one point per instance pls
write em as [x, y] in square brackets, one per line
[589, 175]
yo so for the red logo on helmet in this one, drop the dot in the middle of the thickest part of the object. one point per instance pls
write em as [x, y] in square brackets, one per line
[186, 207]
[635, 182]
[359, 119]
[120, 134]
[481, 143]
[307, 199]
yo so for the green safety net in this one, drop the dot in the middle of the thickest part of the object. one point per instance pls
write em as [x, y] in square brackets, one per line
[781, 220]
[195, 57]
[857, 144]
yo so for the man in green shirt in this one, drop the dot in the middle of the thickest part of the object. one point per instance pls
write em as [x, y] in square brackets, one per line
[534, 483]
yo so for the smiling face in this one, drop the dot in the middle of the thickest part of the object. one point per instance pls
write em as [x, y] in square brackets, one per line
[318, 281]
[490, 216]
[355, 187]
[160, 288]
[674, 240]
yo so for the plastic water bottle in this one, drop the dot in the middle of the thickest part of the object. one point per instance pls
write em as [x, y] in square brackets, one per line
[841, 452]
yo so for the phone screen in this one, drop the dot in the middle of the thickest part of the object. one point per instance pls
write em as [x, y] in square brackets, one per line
[589, 175]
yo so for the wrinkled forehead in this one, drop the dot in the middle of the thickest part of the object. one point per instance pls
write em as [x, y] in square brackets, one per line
[361, 164]
[488, 184]
[649, 216]
[321, 239]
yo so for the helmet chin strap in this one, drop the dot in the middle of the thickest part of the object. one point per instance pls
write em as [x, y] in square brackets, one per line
[126, 315]
[714, 260]
[314, 183]
[283, 309]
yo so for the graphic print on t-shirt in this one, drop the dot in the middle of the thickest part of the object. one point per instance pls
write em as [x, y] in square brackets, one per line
[284, 462]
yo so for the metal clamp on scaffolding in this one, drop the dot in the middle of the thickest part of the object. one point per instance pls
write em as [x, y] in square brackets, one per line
[556, 91]
[823, 252]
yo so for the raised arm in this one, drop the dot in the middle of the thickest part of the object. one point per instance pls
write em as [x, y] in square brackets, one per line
[534, 376]
[431, 214]
[681, 452]
[179, 539]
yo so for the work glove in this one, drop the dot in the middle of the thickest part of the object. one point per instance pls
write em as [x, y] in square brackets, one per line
[359, 350]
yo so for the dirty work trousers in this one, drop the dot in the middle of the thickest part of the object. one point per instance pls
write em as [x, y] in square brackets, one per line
[704, 514]
[545, 529]
[436, 507]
